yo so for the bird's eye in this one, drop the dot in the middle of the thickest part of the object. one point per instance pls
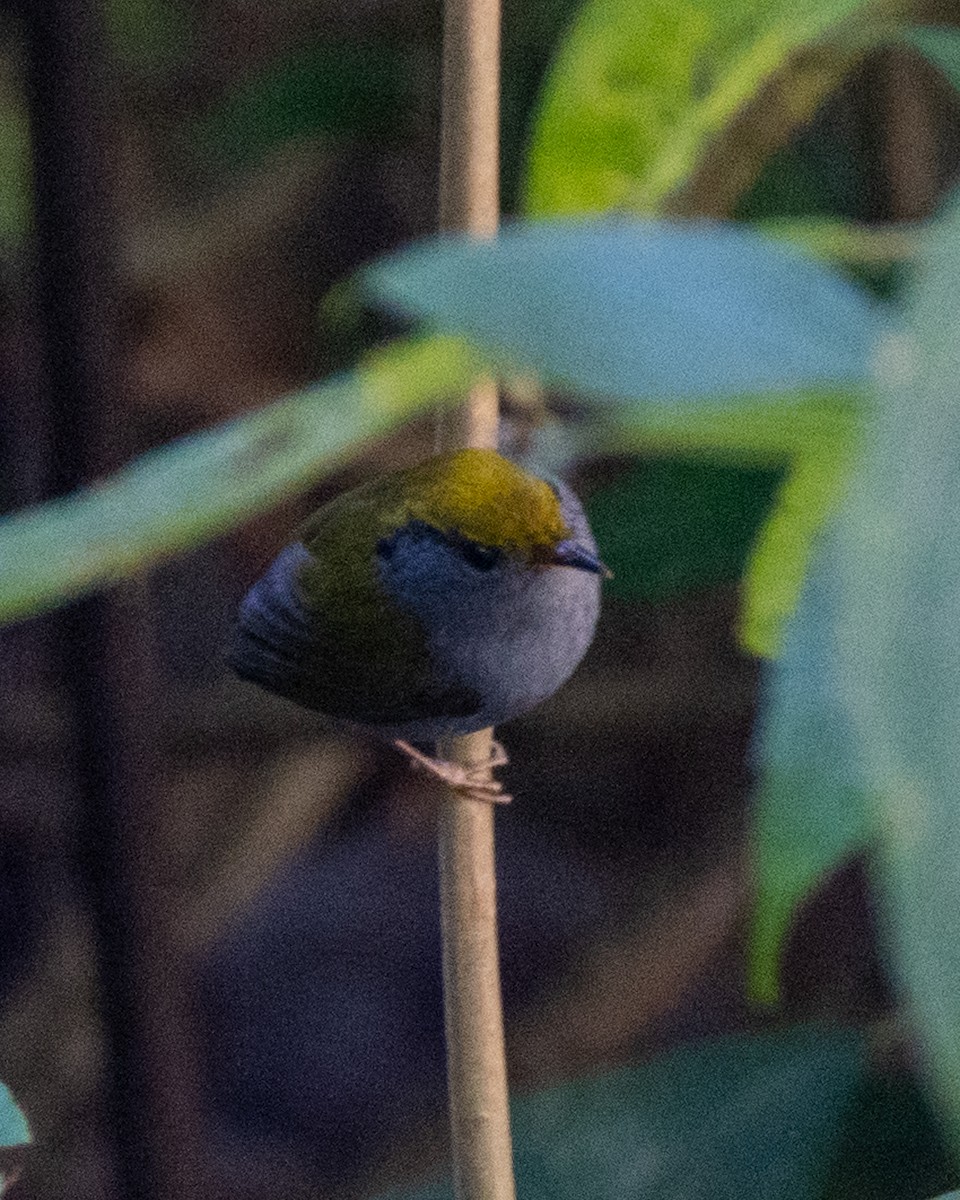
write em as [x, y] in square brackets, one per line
[385, 547]
[480, 557]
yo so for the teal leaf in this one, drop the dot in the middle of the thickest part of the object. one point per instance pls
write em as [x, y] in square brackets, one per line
[941, 45]
[682, 332]
[14, 1130]
[640, 310]
[198, 487]
[812, 811]
[739, 1118]
[901, 653]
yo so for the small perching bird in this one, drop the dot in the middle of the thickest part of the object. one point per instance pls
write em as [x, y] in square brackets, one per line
[434, 601]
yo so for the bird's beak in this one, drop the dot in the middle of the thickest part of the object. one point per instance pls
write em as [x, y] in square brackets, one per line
[572, 554]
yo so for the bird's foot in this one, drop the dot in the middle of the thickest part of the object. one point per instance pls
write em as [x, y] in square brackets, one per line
[475, 782]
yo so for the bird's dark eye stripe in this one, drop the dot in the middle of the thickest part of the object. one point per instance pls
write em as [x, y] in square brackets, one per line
[481, 557]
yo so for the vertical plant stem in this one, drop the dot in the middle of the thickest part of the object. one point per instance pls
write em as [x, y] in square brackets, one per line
[476, 1060]
[105, 641]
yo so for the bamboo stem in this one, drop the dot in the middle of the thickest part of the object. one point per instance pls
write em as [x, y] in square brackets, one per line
[476, 1059]
[470, 114]
[476, 1062]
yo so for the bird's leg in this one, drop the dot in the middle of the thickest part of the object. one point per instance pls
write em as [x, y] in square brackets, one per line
[475, 782]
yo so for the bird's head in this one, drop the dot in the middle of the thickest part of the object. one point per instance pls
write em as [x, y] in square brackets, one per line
[491, 511]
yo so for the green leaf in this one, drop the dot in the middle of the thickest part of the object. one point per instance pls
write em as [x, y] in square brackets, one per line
[670, 526]
[812, 811]
[845, 241]
[785, 545]
[340, 90]
[648, 106]
[723, 515]
[739, 1118]
[642, 89]
[198, 487]
[900, 665]
[642, 310]
[531, 33]
[811, 437]
[14, 1130]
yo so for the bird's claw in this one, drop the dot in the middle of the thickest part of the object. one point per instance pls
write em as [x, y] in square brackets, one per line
[475, 782]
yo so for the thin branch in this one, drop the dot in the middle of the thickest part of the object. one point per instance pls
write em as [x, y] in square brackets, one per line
[476, 1060]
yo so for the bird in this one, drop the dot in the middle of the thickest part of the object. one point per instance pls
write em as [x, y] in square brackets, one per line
[433, 601]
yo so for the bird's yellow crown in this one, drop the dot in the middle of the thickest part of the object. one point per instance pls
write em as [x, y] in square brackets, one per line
[474, 494]
[487, 499]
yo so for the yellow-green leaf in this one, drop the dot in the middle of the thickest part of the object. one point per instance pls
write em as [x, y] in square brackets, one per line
[641, 90]
[813, 435]
[198, 487]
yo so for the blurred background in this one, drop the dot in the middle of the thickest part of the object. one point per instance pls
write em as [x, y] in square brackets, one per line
[264, 152]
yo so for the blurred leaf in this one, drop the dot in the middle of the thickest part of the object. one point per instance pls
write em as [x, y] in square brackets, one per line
[765, 429]
[14, 1130]
[941, 45]
[669, 526]
[329, 89]
[819, 191]
[642, 310]
[14, 1136]
[901, 654]
[809, 437]
[147, 34]
[739, 1118]
[845, 241]
[198, 487]
[649, 106]
[679, 324]
[640, 91]
[811, 812]
[784, 547]
[531, 33]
